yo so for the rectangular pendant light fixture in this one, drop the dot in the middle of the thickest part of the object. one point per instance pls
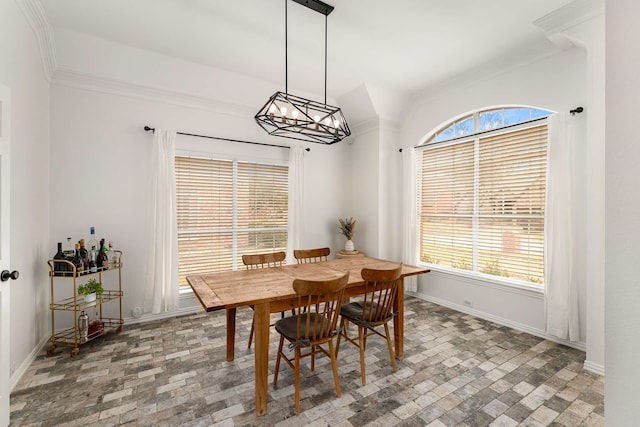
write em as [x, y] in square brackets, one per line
[291, 116]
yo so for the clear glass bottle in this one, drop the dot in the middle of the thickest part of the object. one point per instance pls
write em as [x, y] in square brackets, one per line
[68, 249]
[113, 256]
[92, 239]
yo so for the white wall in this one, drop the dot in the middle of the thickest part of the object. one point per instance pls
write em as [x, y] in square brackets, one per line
[622, 235]
[556, 83]
[100, 171]
[21, 70]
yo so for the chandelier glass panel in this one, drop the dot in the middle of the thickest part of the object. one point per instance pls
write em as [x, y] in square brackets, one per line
[292, 116]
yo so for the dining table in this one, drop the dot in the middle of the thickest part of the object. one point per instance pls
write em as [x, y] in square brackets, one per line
[270, 290]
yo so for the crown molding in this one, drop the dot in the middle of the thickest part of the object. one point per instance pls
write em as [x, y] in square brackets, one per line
[75, 79]
[37, 18]
[560, 20]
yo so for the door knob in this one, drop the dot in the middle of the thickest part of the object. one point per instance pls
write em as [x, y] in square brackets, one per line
[6, 275]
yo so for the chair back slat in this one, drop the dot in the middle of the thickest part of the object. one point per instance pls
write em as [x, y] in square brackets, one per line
[304, 256]
[319, 302]
[380, 292]
[271, 259]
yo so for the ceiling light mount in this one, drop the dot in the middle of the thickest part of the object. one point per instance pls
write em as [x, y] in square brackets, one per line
[291, 116]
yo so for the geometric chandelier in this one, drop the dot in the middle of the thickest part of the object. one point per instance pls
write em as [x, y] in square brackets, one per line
[291, 116]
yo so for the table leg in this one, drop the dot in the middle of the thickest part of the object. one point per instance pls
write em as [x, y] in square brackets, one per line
[398, 321]
[231, 333]
[261, 318]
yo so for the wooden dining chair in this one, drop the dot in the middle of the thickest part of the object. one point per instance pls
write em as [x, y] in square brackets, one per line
[266, 260]
[312, 328]
[304, 256]
[373, 310]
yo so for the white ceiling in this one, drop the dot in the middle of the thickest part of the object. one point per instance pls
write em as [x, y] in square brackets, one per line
[401, 45]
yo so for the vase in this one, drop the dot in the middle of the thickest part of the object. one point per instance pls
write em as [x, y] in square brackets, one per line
[348, 246]
[90, 299]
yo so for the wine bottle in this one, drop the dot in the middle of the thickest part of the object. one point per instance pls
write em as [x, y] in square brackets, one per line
[84, 254]
[59, 268]
[101, 258]
[93, 267]
[68, 249]
[77, 259]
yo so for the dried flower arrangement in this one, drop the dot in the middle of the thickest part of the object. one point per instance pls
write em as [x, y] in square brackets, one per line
[346, 227]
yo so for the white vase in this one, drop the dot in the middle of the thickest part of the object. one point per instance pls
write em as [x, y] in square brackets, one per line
[348, 246]
[90, 299]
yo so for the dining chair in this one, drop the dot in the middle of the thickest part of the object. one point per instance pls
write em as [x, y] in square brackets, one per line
[266, 260]
[304, 256]
[374, 309]
[312, 328]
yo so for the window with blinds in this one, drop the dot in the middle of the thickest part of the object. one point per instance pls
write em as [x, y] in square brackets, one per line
[481, 202]
[226, 209]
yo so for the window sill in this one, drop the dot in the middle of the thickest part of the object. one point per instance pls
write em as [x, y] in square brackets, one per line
[487, 280]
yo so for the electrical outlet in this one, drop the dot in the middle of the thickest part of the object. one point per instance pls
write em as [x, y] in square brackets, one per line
[468, 303]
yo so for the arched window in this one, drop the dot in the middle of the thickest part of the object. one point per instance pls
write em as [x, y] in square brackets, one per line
[481, 194]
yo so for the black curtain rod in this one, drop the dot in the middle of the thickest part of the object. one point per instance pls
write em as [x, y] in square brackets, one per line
[147, 128]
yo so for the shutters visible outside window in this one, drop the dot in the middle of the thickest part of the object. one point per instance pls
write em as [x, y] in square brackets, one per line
[482, 204]
[226, 209]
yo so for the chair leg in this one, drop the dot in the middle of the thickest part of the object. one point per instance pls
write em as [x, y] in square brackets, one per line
[361, 333]
[297, 378]
[391, 354]
[342, 329]
[275, 375]
[313, 358]
[251, 333]
[334, 366]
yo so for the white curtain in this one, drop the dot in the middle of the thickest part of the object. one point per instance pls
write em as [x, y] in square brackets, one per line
[161, 289]
[409, 216]
[296, 212]
[561, 294]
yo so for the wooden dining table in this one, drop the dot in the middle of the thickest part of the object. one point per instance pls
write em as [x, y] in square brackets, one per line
[270, 290]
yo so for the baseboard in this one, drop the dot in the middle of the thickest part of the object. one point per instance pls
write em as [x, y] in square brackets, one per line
[20, 371]
[189, 304]
[593, 367]
[579, 345]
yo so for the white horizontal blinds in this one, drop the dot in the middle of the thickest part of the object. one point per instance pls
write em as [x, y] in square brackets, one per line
[204, 200]
[512, 171]
[262, 208]
[446, 204]
[225, 209]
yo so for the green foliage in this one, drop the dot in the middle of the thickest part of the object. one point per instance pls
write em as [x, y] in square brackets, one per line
[462, 264]
[494, 269]
[90, 287]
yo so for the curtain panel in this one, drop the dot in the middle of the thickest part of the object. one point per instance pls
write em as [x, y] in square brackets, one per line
[161, 287]
[561, 291]
[410, 228]
[296, 211]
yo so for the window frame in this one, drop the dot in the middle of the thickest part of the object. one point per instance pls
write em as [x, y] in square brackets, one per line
[430, 140]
